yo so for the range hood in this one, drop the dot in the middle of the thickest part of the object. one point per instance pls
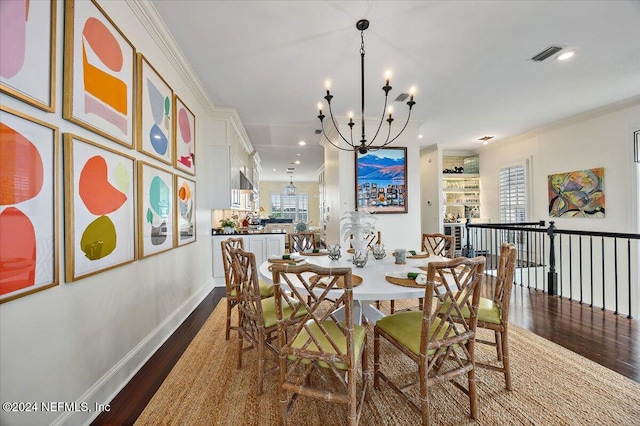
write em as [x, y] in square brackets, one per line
[245, 184]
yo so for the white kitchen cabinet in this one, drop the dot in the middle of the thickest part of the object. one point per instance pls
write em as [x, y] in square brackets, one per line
[226, 188]
[231, 151]
[261, 245]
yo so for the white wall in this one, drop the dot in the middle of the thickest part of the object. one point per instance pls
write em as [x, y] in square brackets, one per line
[82, 341]
[431, 189]
[601, 138]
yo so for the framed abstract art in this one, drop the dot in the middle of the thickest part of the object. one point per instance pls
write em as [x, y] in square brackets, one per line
[155, 210]
[381, 180]
[99, 77]
[184, 145]
[28, 51]
[100, 231]
[155, 109]
[577, 194]
[185, 195]
[28, 205]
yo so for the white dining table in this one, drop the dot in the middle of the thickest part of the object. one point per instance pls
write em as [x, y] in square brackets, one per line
[374, 285]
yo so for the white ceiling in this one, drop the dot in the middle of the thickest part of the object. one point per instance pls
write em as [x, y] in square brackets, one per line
[468, 60]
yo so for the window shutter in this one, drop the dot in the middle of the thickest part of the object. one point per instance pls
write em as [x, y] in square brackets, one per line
[513, 196]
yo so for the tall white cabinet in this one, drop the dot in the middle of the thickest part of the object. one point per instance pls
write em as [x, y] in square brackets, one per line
[232, 153]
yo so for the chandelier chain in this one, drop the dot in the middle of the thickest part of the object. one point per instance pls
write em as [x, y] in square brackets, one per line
[365, 145]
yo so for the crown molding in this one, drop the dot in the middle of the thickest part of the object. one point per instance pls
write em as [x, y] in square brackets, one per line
[587, 115]
[148, 16]
[231, 115]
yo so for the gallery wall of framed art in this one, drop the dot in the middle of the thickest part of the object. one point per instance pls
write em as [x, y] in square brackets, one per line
[105, 75]
[72, 283]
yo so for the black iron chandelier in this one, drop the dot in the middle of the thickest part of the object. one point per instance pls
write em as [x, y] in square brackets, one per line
[365, 145]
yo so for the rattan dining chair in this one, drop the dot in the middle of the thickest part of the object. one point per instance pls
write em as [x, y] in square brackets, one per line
[302, 242]
[434, 244]
[323, 353]
[441, 347]
[256, 315]
[373, 239]
[439, 244]
[231, 283]
[493, 314]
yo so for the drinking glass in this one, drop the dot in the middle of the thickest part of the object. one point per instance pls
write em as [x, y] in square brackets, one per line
[401, 256]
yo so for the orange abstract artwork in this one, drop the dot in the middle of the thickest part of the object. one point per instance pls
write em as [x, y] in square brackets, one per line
[21, 178]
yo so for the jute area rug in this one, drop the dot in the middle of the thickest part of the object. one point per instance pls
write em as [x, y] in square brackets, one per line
[552, 386]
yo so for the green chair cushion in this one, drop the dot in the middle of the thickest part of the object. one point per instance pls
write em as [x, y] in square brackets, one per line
[266, 289]
[488, 311]
[337, 336]
[406, 328]
[269, 312]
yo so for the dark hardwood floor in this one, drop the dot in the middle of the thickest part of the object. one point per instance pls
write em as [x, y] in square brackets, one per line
[601, 336]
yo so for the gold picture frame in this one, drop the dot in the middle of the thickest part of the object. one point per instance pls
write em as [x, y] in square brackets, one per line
[156, 210]
[155, 110]
[184, 137]
[99, 78]
[100, 213]
[25, 72]
[28, 205]
[185, 214]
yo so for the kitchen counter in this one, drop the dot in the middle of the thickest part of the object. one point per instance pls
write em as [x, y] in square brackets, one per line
[248, 232]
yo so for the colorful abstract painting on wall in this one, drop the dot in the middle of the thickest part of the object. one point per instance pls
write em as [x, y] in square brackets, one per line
[99, 208]
[155, 210]
[155, 106]
[381, 180]
[28, 232]
[185, 139]
[185, 210]
[98, 93]
[577, 194]
[27, 51]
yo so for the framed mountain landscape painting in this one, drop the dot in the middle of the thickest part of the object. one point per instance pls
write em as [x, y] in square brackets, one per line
[381, 180]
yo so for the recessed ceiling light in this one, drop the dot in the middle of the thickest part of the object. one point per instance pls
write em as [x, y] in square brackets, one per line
[486, 139]
[302, 143]
[298, 154]
[566, 55]
[274, 170]
[419, 136]
[297, 161]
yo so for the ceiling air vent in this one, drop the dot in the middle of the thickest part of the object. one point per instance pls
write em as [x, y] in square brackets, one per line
[318, 131]
[402, 97]
[546, 53]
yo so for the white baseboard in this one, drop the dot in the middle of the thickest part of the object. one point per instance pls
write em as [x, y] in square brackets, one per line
[105, 389]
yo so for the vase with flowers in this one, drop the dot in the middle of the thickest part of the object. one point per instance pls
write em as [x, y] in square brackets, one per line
[228, 226]
[358, 225]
